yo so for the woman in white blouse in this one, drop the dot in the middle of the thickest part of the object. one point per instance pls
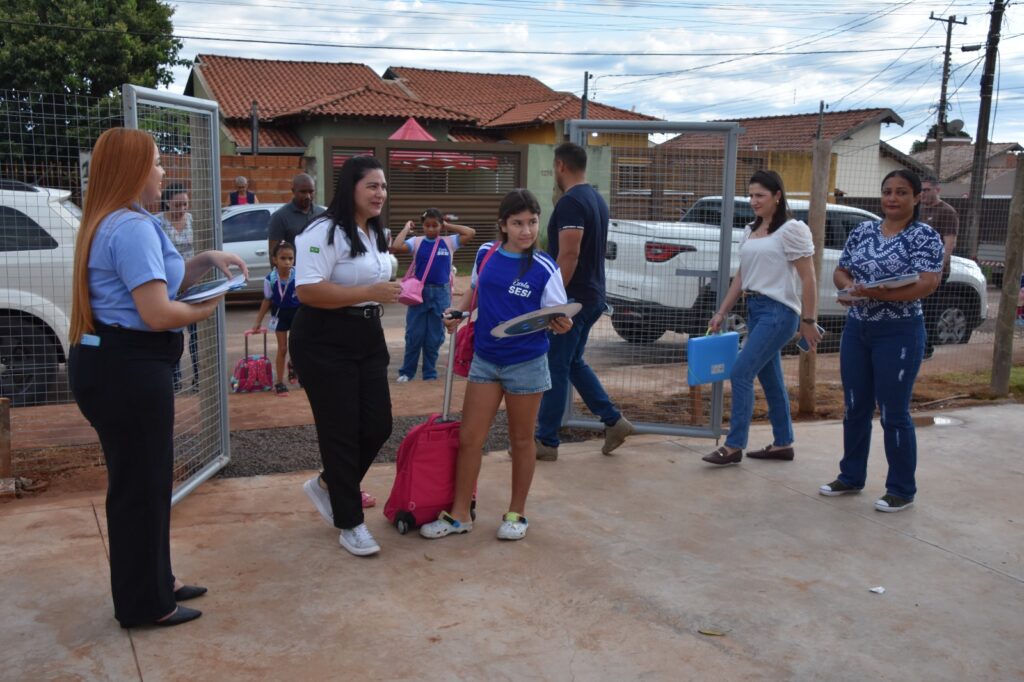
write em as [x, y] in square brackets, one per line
[776, 275]
[342, 273]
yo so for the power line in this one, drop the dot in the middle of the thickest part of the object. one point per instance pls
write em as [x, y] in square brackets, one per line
[456, 50]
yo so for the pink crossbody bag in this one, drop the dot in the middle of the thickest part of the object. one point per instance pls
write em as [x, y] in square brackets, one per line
[412, 287]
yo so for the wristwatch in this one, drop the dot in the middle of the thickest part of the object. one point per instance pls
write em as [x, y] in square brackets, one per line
[808, 320]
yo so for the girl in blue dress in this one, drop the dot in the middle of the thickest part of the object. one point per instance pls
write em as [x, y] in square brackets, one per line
[280, 299]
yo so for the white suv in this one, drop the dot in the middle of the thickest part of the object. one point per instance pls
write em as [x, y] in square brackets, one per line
[662, 276]
[37, 241]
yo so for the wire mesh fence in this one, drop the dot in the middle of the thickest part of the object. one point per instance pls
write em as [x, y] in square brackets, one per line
[45, 153]
[667, 213]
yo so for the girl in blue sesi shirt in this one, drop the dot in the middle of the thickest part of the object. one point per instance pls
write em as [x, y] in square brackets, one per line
[884, 337]
[511, 278]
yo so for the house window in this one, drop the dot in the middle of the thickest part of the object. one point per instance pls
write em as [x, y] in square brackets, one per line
[634, 180]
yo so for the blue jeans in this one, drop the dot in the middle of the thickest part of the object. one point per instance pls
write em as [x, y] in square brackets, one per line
[771, 325]
[566, 363]
[424, 331]
[878, 362]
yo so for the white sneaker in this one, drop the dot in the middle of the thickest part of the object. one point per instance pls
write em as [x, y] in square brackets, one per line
[358, 540]
[446, 524]
[320, 497]
[402, 379]
[513, 527]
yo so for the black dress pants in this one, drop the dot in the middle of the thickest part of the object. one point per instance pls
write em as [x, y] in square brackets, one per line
[342, 362]
[124, 388]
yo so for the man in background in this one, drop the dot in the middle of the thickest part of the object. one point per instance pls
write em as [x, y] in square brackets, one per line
[289, 220]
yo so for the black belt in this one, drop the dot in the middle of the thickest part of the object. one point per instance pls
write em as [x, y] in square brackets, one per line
[367, 312]
[751, 292]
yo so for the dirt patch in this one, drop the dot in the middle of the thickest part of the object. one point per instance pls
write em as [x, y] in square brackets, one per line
[278, 450]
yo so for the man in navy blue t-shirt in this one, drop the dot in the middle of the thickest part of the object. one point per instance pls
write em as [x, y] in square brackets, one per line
[577, 236]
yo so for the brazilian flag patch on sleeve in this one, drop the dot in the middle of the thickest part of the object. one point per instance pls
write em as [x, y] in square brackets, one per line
[314, 249]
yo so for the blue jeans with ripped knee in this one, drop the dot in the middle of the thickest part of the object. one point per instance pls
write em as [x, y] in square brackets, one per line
[878, 362]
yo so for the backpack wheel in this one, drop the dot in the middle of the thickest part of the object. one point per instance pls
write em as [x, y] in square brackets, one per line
[405, 522]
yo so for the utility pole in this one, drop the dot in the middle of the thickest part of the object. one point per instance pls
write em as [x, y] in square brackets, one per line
[981, 139]
[940, 128]
[586, 85]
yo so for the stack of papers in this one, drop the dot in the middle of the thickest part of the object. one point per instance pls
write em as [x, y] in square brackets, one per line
[884, 283]
[207, 290]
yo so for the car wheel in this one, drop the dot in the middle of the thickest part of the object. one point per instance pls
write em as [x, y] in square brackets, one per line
[951, 326]
[28, 362]
[637, 329]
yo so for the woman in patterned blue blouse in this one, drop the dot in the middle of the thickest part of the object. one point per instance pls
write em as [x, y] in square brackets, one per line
[883, 341]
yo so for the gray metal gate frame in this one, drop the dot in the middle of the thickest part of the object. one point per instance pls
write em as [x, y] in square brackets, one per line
[134, 96]
[578, 131]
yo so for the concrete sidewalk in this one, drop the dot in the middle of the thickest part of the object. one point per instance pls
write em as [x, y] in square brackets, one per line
[628, 557]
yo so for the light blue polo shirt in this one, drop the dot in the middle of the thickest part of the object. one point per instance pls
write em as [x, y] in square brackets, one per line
[128, 250]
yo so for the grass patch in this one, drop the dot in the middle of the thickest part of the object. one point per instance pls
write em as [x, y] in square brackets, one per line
[976, 379]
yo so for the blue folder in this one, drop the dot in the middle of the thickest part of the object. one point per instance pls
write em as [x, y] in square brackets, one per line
[710, 358]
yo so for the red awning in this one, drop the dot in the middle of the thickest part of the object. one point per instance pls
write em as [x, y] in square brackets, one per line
[411, 130]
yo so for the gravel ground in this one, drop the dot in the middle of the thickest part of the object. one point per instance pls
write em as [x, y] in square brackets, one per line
[281, 450]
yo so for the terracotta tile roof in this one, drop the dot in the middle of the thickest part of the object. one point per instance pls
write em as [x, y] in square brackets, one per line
[276, 85]
[483, 95]
[562, 108]
[795, 132]
[371, 100]
[473, 135]
[957, 158]
[270, 136]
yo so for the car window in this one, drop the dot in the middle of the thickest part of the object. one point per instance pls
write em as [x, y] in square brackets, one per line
[705, 213]
[18, 232]
[247, 226]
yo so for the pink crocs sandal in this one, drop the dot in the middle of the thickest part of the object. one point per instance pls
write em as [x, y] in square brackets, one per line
[368, 499]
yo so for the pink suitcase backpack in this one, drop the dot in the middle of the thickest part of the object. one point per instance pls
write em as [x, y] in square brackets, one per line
[425, 477]
[253, 372]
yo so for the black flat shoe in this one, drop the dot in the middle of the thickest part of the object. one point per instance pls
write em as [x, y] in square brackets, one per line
[182, 615]
[722, 457]
[187, 592]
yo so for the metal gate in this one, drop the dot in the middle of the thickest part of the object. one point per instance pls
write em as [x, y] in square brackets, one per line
[665, 277]
[186, 130]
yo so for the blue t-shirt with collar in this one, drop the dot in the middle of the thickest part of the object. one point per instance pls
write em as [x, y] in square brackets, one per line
[583, 208]
[503, 293]
[869, 256]
[128, 250]
[441, 269]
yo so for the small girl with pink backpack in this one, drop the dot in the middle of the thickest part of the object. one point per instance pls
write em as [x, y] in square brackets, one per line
[426, 288]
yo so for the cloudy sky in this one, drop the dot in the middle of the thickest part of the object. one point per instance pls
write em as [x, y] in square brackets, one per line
[685, 61]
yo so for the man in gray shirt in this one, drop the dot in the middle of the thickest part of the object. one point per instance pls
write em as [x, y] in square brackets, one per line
[289, 220]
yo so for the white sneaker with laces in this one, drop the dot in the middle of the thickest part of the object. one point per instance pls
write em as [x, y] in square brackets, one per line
[358, 540]
[402, 379]
[513, 527]
[320, 498]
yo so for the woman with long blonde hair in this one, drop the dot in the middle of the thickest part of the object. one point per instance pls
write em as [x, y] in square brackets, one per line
[126, 340]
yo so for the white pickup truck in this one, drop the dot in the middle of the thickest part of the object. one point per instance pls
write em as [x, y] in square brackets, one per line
[662, 276]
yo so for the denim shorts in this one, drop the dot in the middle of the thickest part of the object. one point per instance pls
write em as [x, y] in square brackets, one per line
[522, 378]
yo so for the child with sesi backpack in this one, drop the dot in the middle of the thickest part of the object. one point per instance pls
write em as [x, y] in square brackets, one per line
[280, 299]
[432, 265]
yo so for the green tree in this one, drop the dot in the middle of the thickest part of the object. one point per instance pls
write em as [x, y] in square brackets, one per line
[51, 45]
[921, 145]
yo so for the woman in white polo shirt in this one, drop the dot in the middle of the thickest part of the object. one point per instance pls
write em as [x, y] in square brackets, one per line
[342, 273]
[776, 275]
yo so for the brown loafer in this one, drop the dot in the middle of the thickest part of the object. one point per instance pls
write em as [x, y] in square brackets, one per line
[772, 452]
[722, 456]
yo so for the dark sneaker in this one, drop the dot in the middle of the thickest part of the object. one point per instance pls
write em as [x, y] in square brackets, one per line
[722, 457]
[837, 487]
[772, 452]
[546, 453]
[893, 503]
[281, 390]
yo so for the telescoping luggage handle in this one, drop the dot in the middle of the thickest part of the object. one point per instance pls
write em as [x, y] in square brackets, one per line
[449, 372]
[250, 332]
